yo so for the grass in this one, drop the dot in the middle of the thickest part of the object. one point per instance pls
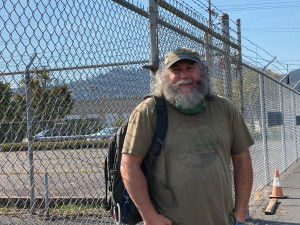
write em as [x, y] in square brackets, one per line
[13, 211]
[42, 172]
[41, 146]
[70, 210]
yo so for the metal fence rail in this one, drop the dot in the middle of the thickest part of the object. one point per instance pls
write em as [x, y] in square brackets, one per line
[72, 68]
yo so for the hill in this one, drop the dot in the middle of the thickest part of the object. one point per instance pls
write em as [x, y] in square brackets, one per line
[294, 78]
[116, 83]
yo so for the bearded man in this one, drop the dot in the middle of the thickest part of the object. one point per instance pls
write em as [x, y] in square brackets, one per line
[192, 180]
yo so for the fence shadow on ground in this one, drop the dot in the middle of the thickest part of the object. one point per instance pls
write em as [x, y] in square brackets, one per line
[267, 222]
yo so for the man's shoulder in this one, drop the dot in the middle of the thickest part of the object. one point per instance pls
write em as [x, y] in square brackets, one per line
[147, 104]
[218, 99]
[223, 102]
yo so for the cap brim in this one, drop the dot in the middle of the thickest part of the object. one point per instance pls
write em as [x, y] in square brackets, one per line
[167, 66]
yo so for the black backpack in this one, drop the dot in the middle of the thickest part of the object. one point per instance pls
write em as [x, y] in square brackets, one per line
[117, 199]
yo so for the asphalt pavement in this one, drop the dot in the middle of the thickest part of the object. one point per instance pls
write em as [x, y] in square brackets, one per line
[286, 211]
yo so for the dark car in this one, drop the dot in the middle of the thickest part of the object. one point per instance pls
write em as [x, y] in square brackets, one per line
[53, 133]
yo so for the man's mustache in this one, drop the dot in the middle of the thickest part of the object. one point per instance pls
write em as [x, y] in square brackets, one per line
[187, 81]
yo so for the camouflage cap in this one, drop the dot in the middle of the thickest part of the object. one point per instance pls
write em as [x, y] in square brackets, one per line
[180, 54]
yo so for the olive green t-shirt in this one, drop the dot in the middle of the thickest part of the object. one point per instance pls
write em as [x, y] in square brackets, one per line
[192, 176]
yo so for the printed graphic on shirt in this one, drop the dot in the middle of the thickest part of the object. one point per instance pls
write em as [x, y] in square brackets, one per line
[198, 147]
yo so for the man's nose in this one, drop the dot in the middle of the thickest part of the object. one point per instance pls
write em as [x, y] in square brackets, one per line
[184, 74]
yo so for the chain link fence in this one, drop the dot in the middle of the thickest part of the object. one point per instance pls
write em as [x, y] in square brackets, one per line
[71, 72]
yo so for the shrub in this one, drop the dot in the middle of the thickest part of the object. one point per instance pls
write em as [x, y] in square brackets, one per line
[51, 145]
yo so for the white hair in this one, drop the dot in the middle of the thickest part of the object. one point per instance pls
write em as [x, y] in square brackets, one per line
[161, 86]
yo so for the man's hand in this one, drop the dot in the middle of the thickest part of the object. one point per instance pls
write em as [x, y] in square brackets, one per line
[136, 186]
[157, 220]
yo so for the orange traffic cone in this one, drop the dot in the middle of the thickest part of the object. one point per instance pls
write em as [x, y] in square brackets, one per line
[277, 189]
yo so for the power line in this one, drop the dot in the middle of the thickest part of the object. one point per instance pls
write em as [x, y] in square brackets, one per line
[265, 3]
[261, 6]
[291, 60]
[270, 31]
[278, 28]
[217, 11]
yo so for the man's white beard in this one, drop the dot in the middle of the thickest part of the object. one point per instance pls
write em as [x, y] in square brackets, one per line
[185, 101]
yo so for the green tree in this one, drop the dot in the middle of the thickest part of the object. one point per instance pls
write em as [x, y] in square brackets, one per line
[49, 102]
[8, 108]
[272, 74]
[119, 121]
[10, 126]
[234, 92]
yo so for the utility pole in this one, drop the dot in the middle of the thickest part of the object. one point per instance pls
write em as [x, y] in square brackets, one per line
[207, 40]
[226, 49]
[288, 74]
[209, 11]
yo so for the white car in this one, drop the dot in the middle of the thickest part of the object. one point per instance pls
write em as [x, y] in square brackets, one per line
[50, 135]
[105, 133]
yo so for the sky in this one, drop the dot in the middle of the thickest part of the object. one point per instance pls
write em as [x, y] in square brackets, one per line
[269, 28]
[273, 25]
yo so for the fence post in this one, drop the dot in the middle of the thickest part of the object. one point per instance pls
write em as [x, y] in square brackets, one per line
[11, 131]
[207, 41]
[263, 126]
[46, 195]
[208, 55]
[206, 48]
[239, 67]
[226, 48]
[283, 139]
[241, 81]
[153, 43]
[295, 125]
[29, 135]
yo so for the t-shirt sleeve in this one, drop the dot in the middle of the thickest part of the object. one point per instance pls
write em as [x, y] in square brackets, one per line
[141, 127]
[241, 138]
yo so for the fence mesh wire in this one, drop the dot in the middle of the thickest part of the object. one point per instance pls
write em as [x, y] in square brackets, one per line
[82, 62]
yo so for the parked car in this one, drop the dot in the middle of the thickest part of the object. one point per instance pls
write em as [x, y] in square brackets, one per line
[53, 133]
[49, 135]
[105, 133]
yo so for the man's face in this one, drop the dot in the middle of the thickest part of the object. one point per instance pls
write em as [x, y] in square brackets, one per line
[185, 75]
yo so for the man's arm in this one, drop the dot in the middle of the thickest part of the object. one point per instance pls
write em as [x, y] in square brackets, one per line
[243, 178]
[136, 185]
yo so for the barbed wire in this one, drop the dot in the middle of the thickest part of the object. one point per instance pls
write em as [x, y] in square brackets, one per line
[216, 12]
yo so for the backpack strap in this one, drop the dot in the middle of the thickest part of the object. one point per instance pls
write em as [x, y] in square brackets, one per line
[155, 148]
[159, 134]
